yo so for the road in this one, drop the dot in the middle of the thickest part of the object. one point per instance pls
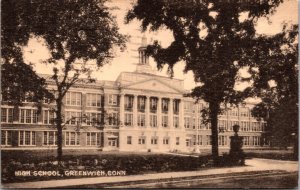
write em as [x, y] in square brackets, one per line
[275, 179]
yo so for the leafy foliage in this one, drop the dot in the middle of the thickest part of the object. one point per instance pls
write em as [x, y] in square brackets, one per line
[275, 81]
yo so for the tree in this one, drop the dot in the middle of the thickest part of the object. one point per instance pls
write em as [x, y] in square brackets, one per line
[212, 41]
[75, 32]
[15, 74]
[275, 81]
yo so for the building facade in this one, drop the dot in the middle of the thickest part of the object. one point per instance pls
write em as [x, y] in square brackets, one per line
[140, 111]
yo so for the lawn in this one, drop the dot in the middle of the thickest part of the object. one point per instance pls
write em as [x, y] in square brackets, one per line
[276, 154]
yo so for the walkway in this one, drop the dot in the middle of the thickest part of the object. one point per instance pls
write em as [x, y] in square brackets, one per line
[252, 165]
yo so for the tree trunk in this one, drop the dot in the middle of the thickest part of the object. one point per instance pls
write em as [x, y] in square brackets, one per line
[59, 129]
[214, 108]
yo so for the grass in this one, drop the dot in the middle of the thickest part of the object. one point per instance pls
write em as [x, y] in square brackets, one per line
[271, 154]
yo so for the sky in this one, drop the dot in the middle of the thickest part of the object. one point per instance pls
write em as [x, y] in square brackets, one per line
[126, 61]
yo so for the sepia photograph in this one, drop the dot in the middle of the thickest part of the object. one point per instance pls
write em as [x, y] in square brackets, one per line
[162, 94]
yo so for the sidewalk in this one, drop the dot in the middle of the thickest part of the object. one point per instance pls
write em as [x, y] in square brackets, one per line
[252, 165]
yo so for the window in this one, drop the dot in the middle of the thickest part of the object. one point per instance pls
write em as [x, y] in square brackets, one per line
[50, 138]
[166, 140]
[153, 120]
[141, 103]
[256, 126]
[222, 140]
[244, 112]
[208, 139]
[176, 107]
[112, 142]
[208, 126]
[194, 123]
[73, 98]
[7, 115]
[188, 142]
[245, 126]
[93, 118]
[48, 117]
[142, 140]
[92, 139]
[113, 118]
[28, 116]
[164, 120]
[6, 138]
[200, 140]
[128, 119]
[234, 112]
[128, 102]
[222, 125]
[72, 138]
[256, 140]
[26, 138]
[177, 140]
[153, 105]
[187, 122]
[112, 99]
[176, 121]
[129, 139]
[194, 139]
[246, 140]
[154, 140]
[93, 100]
[165, 105]
[141, 120]
[199, 123]
[72, 118]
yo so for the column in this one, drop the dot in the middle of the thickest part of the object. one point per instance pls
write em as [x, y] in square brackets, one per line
[134, 110]
[170, 113]
[159, 112]
[181, 114]
[147, 112]
[122, 109]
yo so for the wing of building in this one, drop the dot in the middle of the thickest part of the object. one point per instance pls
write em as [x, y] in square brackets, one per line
[140, 111]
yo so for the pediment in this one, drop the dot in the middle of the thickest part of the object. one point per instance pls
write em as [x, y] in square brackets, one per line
[153, 85]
